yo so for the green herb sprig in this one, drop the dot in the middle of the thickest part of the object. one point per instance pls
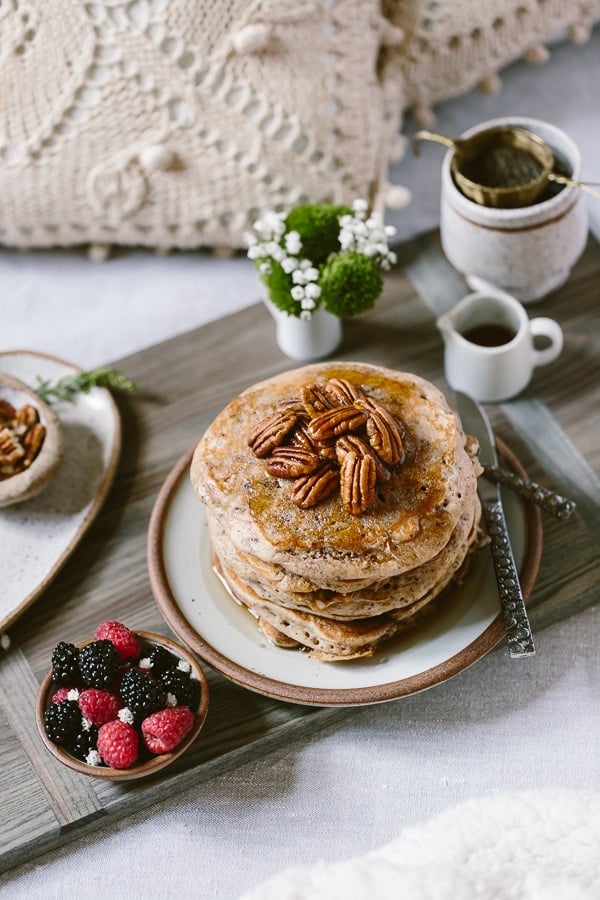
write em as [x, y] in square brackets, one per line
[66, 389]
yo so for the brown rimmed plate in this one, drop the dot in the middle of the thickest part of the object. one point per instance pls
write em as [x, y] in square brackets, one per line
[467, 624]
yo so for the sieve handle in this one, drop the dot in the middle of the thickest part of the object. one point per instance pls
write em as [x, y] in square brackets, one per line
[587, 186]
[424, 135]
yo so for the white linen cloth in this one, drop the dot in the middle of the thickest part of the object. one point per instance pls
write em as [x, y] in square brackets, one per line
[500, 727]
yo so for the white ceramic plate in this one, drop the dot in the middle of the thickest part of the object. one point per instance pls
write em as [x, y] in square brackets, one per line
[225, 635]
[39, 535]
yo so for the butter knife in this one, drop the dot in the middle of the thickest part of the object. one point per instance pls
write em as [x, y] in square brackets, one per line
[516, 622]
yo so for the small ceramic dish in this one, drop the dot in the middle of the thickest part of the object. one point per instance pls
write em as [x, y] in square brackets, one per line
[148, 763]
[20, 437]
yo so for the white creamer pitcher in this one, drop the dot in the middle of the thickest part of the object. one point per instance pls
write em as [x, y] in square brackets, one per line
[489, 350]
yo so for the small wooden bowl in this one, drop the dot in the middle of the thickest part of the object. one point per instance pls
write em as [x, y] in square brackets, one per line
[39, 474]
[147, 640]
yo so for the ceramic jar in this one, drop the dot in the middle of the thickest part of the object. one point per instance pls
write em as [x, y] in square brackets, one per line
[528, 251]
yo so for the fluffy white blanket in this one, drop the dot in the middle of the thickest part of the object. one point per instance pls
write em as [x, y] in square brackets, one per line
[542, 845]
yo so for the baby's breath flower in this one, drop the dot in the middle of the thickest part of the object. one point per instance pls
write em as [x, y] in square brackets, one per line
[293, 244]
[359, 233]
[289, 264]
[125, 715]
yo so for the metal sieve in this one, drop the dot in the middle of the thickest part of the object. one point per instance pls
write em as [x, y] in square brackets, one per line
[503, 167]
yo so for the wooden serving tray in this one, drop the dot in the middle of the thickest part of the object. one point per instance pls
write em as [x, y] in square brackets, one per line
[185, 382]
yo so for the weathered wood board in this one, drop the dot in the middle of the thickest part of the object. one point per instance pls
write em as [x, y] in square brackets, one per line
[552, 427]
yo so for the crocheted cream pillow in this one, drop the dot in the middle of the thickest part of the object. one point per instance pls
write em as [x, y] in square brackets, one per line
[175, 122]
[452, 46]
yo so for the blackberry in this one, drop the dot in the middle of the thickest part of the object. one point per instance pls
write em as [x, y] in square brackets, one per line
[141, 694]
[65, 664]
[62, 722]
[85, 741]
[175, 681]
[99, 664]
[160, 659]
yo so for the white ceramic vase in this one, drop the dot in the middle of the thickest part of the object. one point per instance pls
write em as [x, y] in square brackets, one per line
[306, 339]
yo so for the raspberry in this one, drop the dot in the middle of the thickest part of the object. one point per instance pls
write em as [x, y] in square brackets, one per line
[123, 639]
[165, 730]
[99, 706]
[141, 694]
[61, 694]
[118, 744]
[180, 684]
[62, 722]
[99, 664]
[65, 664]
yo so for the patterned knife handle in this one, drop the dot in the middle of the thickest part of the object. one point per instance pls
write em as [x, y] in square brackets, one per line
[555, 504]
[512, 604]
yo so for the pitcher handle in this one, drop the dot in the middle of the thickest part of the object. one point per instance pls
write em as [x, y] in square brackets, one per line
[548, 328]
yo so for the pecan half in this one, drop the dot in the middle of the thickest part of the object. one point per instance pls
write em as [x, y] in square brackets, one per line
[11, 450]
[32, 442]
[290, 462]
[7, 411]
[316, 399]
[383, 431]
[308, 490]
[301, 438]
[343, 391]
[351, 443]
[27, 415]
[271, 432]
[357, 482]
[337, 421]
[326, 449]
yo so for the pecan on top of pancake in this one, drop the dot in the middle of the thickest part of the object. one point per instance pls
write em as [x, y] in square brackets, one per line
[333, 436]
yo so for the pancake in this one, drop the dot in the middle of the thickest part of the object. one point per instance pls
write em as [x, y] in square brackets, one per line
[376, 598]
[341, 501]
[413, 514]
[326, 639]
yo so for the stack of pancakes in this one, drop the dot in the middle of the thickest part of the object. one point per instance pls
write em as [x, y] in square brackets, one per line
[360, 559]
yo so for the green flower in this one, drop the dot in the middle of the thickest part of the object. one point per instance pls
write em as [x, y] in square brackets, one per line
[350, 283]
[279, 286]
[319, 228]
